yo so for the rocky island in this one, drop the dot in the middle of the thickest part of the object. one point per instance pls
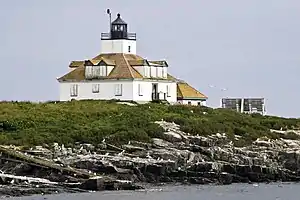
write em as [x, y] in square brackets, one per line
[82, 146]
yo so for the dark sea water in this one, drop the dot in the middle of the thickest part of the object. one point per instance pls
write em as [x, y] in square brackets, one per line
[276, 191]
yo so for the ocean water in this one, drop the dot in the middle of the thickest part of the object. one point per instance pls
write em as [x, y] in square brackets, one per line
[274, 191]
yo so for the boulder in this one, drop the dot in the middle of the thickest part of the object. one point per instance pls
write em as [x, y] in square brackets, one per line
[172, 136]
[105, 183]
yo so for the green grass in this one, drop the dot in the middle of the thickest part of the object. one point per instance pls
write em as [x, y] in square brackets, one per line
[26, 124]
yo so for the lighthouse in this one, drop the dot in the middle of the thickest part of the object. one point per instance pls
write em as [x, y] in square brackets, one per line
[118, 72]
[118, 39]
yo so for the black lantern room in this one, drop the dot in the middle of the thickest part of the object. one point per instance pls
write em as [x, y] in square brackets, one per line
[118, 31]
[118, 28]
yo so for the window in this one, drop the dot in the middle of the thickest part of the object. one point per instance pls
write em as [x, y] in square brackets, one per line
[147, 71]
[153, 71]
[140, 90]
[96, 71]
[168, 91]
[199, 103]
[102, 71]
[164, 72]
[189, 103]
[88, 72]
[95, 88]
[129, 49]
[74, 90]
[118, 90]
[159, 72]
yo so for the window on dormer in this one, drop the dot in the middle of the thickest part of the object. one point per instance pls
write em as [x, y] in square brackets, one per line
[159, 72]
[88, 72]
[95, 71]
[103, 71]
[147, 71]
[164, 72]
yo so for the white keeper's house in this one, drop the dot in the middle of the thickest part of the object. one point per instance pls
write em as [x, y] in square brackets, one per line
[119, 73]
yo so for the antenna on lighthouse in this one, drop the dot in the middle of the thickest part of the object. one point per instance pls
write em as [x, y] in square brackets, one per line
[109, 13]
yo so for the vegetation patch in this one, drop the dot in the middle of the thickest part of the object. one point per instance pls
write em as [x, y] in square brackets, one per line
[90, 121]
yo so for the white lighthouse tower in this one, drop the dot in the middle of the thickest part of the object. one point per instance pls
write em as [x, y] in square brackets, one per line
[118, 40]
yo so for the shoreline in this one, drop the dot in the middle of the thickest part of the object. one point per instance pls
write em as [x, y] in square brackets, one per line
[178, 158]
[10, 192]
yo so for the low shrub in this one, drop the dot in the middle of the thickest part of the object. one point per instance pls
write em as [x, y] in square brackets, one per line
[89, 121]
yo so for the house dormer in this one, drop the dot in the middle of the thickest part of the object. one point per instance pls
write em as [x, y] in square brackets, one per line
[142, 66]
[95, 69]
[158, 69]
[151, 69]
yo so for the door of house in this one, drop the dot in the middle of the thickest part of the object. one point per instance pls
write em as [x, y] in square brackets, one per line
[155, 91]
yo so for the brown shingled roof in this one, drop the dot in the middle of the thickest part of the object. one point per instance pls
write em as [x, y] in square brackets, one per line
[75, 64]
[170, 77]
[111, 56]
[122, 69]
[159, 62]
[137, 62]
[185, 91]
[75, 75]
[107, 61]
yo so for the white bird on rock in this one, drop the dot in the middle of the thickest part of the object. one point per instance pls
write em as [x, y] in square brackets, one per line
[148, 155]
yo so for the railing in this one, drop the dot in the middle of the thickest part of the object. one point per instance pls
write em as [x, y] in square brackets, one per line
[107, 36]
[131, 36]
[155, 96]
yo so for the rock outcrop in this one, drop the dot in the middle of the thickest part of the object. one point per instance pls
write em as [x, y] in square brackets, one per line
[175, 157]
